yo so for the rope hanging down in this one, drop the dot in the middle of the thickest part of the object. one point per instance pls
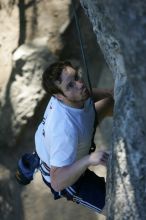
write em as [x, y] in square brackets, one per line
[93, 145]
[82, 48]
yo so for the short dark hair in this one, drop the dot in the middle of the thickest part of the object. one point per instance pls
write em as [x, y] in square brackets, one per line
[52, 74]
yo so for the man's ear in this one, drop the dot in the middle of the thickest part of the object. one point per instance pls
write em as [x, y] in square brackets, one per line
[59, 96]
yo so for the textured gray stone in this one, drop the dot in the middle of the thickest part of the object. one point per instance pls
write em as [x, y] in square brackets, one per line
[120, 30]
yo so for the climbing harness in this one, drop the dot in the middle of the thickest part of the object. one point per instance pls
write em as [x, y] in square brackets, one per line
[93, 146]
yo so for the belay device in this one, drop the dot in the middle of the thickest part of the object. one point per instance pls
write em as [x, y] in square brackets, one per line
[26, 167]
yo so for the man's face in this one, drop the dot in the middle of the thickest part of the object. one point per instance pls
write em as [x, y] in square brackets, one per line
[73, 87]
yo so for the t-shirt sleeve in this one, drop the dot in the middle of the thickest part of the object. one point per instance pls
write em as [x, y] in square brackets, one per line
[63, 146]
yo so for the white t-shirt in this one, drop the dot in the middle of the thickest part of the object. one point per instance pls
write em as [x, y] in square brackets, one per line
[65, 133]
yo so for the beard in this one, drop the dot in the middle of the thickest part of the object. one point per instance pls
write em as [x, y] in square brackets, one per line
[77, 101]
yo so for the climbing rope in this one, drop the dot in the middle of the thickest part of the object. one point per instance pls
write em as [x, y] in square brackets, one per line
[82, 48]
[93, 145]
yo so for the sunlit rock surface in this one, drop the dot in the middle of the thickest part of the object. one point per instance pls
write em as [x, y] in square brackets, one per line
[120, 30]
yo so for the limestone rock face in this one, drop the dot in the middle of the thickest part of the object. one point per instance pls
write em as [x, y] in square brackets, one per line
[120, 30]
[30, 41]
[9, 26]
[24, 90]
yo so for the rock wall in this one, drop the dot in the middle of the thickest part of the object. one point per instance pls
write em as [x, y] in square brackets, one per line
[9, 23]
[31, 32]
[120, 30]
